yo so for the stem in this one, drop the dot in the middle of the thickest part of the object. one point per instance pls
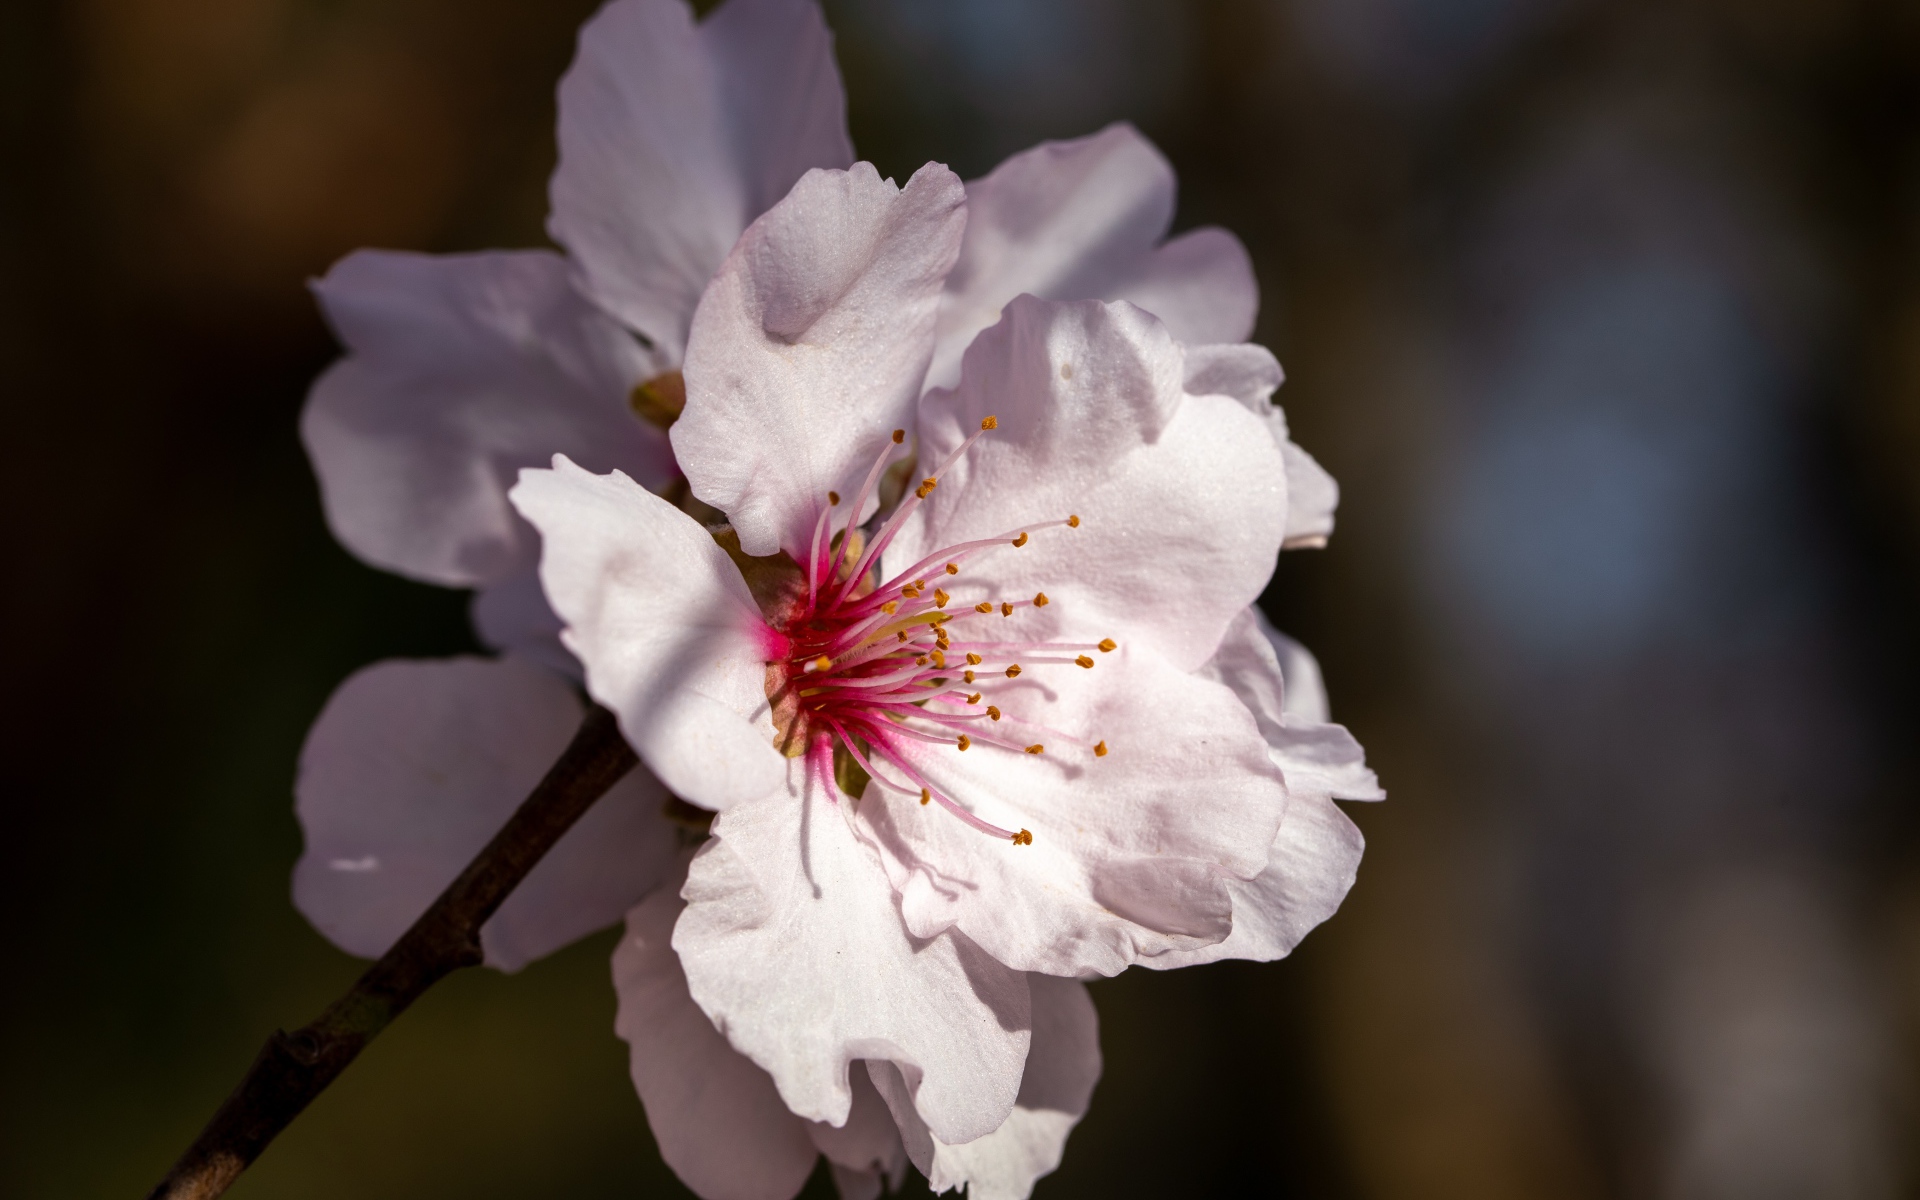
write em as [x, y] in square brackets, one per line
[293, 1068]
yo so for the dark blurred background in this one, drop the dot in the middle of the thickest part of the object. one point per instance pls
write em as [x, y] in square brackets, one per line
[1606, 315]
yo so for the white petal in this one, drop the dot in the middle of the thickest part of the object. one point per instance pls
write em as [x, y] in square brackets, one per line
[513, 616]
[1201, 284]
[460, 370]
[810, 347]
[1182, 499]
[1242, 370]
[1248, 662]
[674, 136]
[659, 616]
[892, 1086]
[1309, 871]
[786, 110]
[1306, 688]
[1312, 495]
[1250, 374]
[793, 945]
[866, 1150]
[1065, 220]
[1131, 851]
[1062, 1068]
[1083, 220]
[1279, 682]
[1317, 849]
[717, 1117]
[854, 1184]
[413, 766]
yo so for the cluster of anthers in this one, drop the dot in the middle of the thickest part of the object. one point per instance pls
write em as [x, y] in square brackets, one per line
[865, 667]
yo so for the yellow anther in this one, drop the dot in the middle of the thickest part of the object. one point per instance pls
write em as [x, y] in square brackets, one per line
[1013, 672]
[1073, 521]
[953, 568]
[920, 661]
[1099, 749]
[940, 660]
[964, 741]
[967, 675]
[899, 435]
[821, 663]
[974, 699]
[993, 712]
[902, 635]
[1023, 838]
[919, 585]
[1021, 540]
[890, 607]
[1039, 599]
[990, 423]
[940, 598]
[833, 498]
[1006, 610]
[925, 795]
[1108, 645]
[926, 485]
[985, 606]
[973, 658]
[1036, 748]
[1084, 661]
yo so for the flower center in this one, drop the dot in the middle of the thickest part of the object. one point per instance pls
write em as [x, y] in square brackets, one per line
[869, 674]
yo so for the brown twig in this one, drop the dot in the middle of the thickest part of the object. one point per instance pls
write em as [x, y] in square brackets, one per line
[293, 1068]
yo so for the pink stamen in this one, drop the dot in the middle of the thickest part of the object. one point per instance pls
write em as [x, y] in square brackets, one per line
[881, 670]
[853, 514]
[933, 793]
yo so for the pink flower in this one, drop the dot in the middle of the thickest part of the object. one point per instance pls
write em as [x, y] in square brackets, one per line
[1022, 663]
[461, 370]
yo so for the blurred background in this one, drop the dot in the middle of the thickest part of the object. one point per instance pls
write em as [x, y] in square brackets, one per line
[1605, 314]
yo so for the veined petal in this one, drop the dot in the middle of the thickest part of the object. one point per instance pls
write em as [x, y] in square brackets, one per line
[1062, 1068]
[673, 136]
[793, 944]
[413, 766]
[1310, 869]
[1182, 499]
[866, 1151]
[1312, 495]
[810, 346]
[1243, 370]
[1132, 850]
[1250, 374]
[854, 1184]
[1200, 283]
[1279, 682]
[513, 617]
[1083, 220]
[660, 618]
[460, 370]
[717, 1117]
[1306, 688]
[1064, 220]
[785, 108]
[1316, 851]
